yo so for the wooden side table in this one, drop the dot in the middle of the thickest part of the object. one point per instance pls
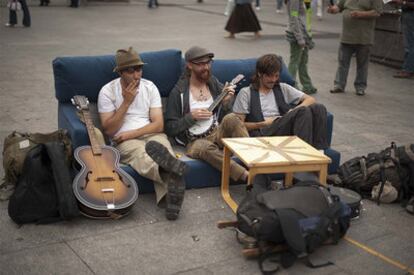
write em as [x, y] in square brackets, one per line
[265, 155]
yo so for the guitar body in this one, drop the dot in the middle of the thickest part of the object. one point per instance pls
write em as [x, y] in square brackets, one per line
[102, 188]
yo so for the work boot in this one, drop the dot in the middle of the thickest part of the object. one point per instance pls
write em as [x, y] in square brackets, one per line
[160, 154]
[175, 195]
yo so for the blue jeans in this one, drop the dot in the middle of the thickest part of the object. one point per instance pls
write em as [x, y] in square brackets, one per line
[407, 24]
[344, 59]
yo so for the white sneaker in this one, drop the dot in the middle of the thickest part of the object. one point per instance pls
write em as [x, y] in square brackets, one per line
[258, 8]
[279, 11]
[9, 25]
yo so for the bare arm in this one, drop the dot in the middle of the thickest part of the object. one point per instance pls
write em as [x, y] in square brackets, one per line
[155, 126]
[306, 100]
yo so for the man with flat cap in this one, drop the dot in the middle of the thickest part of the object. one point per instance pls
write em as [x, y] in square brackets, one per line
[188, 120]
[131, 115]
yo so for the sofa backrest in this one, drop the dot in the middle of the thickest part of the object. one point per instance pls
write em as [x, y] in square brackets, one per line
[86, 75]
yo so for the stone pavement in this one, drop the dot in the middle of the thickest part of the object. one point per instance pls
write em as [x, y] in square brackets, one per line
[145, 242]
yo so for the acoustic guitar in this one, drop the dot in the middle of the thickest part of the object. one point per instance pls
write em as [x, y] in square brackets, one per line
[102, 188]
[203, 128]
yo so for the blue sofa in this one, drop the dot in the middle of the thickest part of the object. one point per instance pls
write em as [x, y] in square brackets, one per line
[86, 76]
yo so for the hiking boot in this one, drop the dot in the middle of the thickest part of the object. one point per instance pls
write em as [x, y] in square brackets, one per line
[175, 195]
[336, 91]
[360, 92]
[160, 154]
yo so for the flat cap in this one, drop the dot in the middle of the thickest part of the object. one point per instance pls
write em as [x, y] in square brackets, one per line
[195, 53]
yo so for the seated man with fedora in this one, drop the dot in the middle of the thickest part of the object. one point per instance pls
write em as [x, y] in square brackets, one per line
[131, 114]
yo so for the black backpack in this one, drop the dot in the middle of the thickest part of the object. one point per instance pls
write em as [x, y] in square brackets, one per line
[43, 192]
[393, 164]
[302, 217]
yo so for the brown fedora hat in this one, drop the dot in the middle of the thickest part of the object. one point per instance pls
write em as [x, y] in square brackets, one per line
[127, 58]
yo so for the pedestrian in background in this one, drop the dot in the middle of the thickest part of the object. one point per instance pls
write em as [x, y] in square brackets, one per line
[407, 26]
[243, 19]
[358, 26]
[13, 7]
[74, 3]
[152, 4]
[300, 44]
[44, 2]
[279, 6]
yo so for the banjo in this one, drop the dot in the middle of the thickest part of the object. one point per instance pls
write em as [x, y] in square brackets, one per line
[205, 127]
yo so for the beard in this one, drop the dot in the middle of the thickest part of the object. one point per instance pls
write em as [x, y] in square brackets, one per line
[203, 75]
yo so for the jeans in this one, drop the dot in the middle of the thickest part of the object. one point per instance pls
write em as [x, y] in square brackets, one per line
[257, 3]
[26, 15]
[309, 123]
[152, 3]
[279, 4]
[344, 59]
[407, 24]
[299, 64]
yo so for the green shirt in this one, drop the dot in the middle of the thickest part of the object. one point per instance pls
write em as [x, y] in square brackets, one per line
[358, 30]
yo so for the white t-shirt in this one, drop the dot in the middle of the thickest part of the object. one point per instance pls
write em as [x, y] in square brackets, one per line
[110, 99]
[267, 102]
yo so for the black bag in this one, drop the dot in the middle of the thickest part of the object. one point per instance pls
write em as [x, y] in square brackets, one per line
[361, 174]
[43, 192]
[303, 217]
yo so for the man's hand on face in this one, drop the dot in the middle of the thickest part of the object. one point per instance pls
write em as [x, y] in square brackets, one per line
[130, 91]
[229, 89]
[201, 114]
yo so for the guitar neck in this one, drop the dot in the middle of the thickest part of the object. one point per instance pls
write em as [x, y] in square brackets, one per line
[96, 148]
[217, 101]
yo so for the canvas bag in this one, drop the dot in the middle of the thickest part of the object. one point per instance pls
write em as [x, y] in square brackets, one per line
[18, 144]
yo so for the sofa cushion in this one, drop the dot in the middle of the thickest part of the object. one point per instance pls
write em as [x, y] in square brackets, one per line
[86, 75]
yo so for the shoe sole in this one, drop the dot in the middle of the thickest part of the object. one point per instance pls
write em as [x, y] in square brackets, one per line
[175, 196]
[164, 159]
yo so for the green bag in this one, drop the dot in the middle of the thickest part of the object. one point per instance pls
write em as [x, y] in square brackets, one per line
[17, 145]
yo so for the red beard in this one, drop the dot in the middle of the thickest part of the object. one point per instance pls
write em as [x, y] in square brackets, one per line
[202, 76]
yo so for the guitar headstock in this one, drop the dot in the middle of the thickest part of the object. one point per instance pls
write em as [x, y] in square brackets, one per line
[237, 79]
[81, 102]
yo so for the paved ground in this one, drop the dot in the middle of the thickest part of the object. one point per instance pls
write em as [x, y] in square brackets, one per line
[145, 242]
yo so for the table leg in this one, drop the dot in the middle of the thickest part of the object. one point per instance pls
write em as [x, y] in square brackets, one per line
[288, 179]
[250, 178]
[323, 174]
[225, 175]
